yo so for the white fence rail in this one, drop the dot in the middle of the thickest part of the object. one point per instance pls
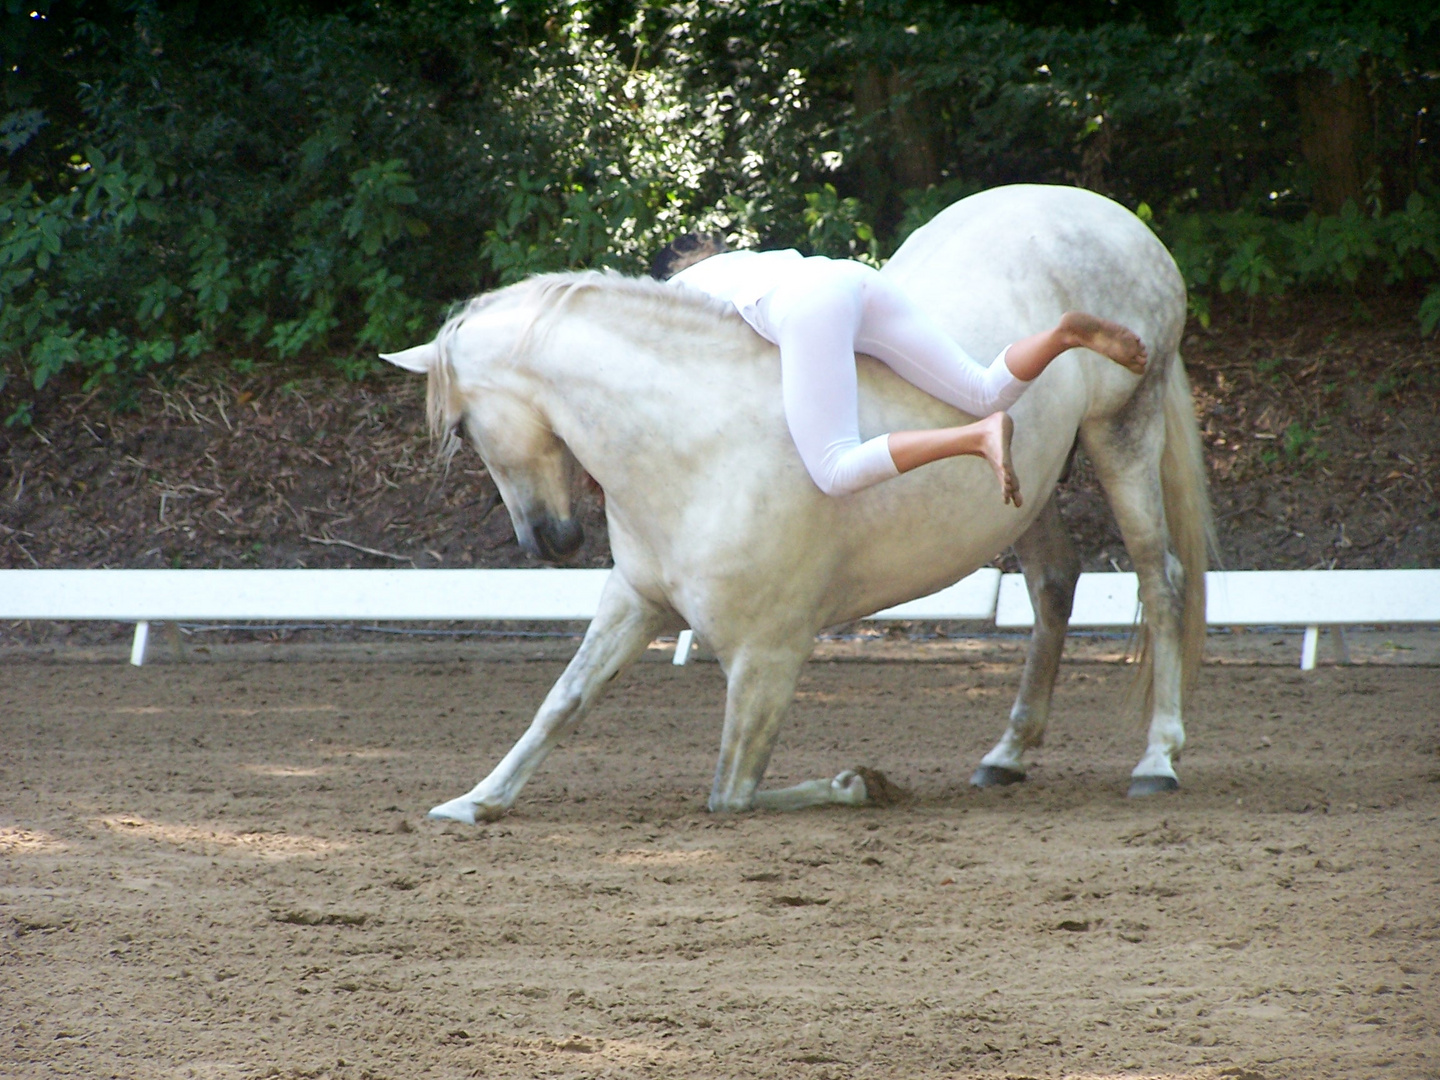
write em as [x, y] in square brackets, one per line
[1311, 599]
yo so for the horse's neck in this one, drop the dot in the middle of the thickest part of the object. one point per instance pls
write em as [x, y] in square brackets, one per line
[635, 389]
[634, 351]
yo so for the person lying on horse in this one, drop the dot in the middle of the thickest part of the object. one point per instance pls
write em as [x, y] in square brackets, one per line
[822, 311]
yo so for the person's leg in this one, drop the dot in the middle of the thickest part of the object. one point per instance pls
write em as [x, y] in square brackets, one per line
[896, 331]
[813, 318]
[988, 438]
[1028, 357]
[829, 310]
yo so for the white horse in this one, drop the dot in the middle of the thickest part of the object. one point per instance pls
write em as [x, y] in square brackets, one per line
[673, 405]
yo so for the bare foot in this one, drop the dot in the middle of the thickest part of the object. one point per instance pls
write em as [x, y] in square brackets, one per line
[1105, 337]
[997, 430]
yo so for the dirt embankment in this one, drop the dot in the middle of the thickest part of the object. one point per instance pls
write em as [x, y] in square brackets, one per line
[1322, 430]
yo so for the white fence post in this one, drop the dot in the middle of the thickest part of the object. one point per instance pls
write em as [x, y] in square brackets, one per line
[682, 648]
[1308, 647]
[137, 647]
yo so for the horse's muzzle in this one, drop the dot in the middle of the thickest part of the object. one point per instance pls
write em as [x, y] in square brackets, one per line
[556, 540]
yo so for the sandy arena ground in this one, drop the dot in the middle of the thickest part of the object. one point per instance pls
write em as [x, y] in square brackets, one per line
[222, 869]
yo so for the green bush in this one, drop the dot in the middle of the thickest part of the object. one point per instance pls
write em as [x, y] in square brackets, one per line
[320, 187]
[1259, 256]
[312, 182]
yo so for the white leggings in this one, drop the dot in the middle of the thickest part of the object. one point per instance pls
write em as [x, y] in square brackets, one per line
[825, 313]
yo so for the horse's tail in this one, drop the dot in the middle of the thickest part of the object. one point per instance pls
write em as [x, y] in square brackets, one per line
[1191, 525]
[1188, 514]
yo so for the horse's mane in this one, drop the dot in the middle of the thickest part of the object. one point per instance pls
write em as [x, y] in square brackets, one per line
[546, 296]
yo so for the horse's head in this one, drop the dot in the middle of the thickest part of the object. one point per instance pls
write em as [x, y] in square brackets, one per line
[534, 470]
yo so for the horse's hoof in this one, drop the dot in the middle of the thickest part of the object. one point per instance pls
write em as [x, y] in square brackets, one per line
[1152, 785]
[461, 810]
[879, 789]
[850, 789]
[995, 776]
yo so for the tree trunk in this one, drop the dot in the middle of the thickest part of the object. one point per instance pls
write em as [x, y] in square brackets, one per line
[1334, 137]
[912, 154]
[901, 154]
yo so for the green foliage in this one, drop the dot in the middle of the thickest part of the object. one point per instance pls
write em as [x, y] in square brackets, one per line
[1300, 443]
[921, 206]
[1269, 367]
[1337, 36]
[1429, 314]
[833, 227]
[309, 183]
[146, 252]
[299, 187]
[1263, 256]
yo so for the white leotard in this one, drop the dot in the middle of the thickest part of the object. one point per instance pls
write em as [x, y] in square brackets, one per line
[741, 278]
[821, 312]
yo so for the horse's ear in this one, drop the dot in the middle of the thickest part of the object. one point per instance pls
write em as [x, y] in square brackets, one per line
[420, 359]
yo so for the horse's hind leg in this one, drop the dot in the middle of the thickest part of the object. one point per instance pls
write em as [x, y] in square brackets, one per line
[1127, 460]
[623, 626]
[1051, 568]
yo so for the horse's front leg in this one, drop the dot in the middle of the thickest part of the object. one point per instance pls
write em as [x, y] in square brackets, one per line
[760, 684]
[1051, 567]
[623, 626]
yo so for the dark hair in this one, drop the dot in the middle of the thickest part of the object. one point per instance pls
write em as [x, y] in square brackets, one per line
[686, 251]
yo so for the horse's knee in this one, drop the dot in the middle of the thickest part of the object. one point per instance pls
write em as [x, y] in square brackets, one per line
[733, 791]
[563, 709]
[1174, 573]
[1052, 566]
[726, 803]
[1054, 598]
[1164, 592]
